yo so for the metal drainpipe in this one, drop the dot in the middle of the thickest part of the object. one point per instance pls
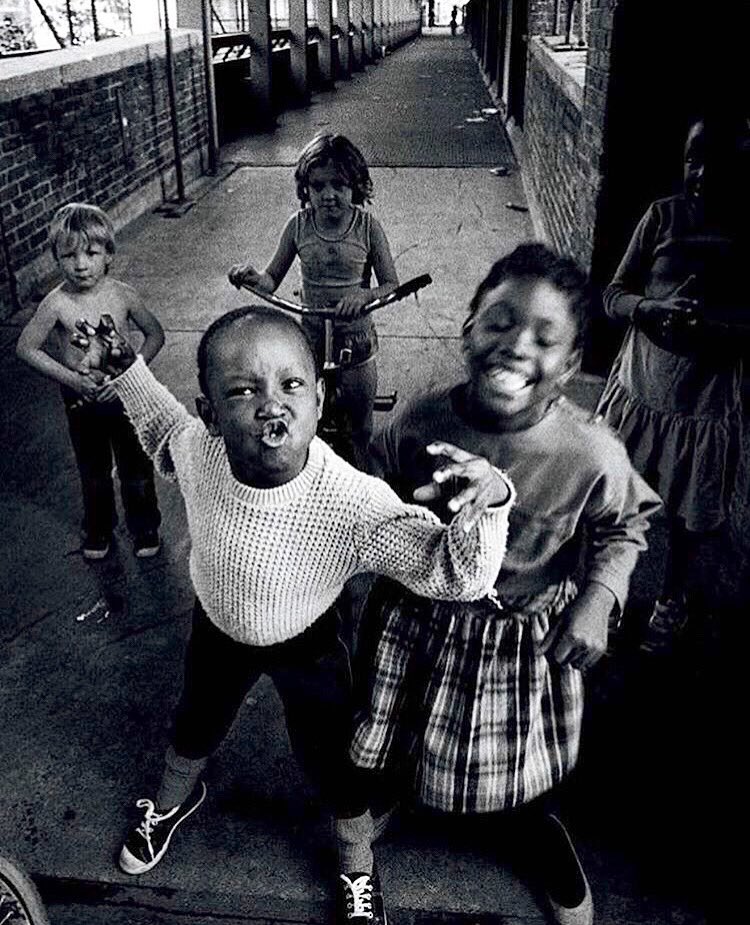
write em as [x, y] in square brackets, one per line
[95, 20]
[171, 92]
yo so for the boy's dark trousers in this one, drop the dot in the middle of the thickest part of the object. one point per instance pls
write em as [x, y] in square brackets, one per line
[97, 431]
[312, 674]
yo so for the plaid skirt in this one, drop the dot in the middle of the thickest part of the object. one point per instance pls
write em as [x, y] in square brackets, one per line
[459, 695]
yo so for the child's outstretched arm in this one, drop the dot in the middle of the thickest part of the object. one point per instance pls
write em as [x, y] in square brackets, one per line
[617, 517]
[30, 349]
[385, 274]
[157, 417]
[271, 278]
[484, 485]
[148, 325]
[457, 561]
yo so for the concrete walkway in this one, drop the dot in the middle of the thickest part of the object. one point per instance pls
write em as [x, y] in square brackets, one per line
[92, 653]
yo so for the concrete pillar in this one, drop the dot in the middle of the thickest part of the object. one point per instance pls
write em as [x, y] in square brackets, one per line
[325, 56]
[368, 15]
[342, 20]
[377, 27]
[298, 51]
[355, 12]
[189, 14]
[260, 60]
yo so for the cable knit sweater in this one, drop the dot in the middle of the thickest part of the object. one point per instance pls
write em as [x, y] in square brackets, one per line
[267, 562]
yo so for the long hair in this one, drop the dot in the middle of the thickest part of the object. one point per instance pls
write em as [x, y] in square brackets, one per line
[347, 159]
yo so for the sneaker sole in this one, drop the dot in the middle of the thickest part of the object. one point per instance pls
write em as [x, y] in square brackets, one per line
[129, 864]
[147, 552]
[94, 555]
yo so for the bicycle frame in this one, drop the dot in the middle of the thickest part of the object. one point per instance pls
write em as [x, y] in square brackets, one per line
[328, 315]
[329, 423]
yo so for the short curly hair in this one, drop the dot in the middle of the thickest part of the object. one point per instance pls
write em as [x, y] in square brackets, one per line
[537, 261]
[80, 219]
[251, 312]
[344, 155]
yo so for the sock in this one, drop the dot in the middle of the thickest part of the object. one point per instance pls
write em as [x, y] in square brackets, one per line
[354, 837]
[180, 776]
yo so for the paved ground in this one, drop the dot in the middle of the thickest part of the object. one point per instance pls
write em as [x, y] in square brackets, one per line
[92, 653]
[429, 93]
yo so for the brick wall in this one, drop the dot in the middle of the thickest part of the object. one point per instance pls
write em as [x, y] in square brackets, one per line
[541, 19]
[90, 123]
[591, 149]
[564, 125]
[552, 128]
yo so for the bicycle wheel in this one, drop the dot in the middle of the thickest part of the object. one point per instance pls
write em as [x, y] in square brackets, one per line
[20, 903]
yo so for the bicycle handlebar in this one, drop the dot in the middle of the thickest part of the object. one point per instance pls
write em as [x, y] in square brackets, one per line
[410, 287]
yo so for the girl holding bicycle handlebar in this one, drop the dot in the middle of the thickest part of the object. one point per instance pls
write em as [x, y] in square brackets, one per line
[340, 244]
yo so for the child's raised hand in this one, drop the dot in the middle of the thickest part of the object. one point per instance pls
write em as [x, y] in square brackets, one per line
[483, 485]
[579, 639]
[350, 307]
[242, 273]
[105, 351]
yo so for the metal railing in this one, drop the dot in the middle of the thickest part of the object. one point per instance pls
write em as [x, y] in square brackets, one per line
[72, 22]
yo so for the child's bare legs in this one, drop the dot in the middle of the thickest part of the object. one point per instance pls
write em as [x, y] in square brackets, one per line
[670, 613]
[682, 557]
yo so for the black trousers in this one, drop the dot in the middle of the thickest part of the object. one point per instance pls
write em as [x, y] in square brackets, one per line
[312, 674]
[99, 431]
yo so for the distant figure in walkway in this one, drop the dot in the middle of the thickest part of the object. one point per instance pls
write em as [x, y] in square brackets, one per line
[339, 244]
[454, 20]
[674, 389]
[278, 523]
[480, 704]
[83, 244]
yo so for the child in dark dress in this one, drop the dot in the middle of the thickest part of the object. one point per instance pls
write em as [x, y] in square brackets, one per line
[674, 389]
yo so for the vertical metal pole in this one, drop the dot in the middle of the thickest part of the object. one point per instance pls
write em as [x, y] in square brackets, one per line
[69, 14]
[95, 20]
[208, 64]
[171, 91]
[50, 24]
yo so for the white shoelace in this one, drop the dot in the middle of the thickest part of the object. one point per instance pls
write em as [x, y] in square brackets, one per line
[361, 890]
[151, 819]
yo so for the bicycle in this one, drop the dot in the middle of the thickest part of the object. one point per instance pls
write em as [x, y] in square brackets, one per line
[20, 903]
[331, 427]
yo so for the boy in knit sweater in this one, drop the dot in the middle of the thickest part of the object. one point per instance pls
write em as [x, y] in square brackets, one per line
[278, 524]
